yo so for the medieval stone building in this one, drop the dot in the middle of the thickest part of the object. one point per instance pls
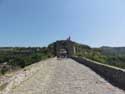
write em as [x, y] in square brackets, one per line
[65, 48]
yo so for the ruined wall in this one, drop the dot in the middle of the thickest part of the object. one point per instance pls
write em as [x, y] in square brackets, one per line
[65, 44]
[115, 76]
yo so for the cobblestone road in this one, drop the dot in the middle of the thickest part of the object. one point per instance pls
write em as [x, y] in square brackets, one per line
[65, 77]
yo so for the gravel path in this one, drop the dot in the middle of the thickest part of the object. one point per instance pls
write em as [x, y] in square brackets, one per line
[65, 76]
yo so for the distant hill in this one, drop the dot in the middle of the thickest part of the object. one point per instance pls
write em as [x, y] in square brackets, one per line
[118, 51]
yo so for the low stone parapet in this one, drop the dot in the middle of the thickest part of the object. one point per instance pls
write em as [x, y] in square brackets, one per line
[114, 75]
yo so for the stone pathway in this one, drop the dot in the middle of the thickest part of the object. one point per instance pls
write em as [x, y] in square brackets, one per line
[65, 76]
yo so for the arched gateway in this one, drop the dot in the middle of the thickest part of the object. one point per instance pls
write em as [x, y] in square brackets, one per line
[65, 48]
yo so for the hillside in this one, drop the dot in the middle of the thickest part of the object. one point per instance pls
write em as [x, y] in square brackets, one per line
[113, 51]
[109, 55]
[13, 58]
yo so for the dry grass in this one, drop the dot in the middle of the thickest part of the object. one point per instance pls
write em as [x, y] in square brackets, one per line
[3, 86]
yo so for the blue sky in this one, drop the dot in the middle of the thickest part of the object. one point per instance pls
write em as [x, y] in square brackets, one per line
[40, 22]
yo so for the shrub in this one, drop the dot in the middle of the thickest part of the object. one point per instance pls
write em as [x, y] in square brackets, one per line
[4, 70]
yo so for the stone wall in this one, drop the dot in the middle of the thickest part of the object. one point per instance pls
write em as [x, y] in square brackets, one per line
[115, 76]
[65, 45]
